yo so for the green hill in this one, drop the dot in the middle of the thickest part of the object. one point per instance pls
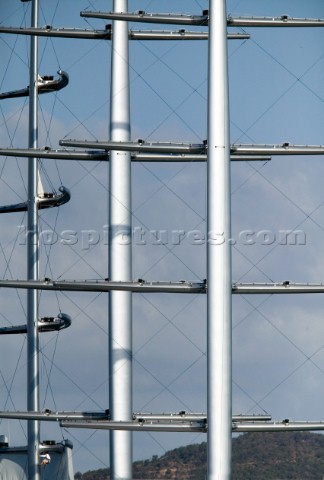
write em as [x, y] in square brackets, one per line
[266, 456]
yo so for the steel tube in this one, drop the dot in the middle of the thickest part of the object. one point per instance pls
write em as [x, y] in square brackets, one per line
[103, 286]
[106, 34]
[278, 427]
[190, 148]
[219, 322]
[127, 427]
[49, 415]
[54, 416]
[55, 154]
[139, 146]
[280, 149]
[59, 32]
[278, 288]
[162, 287]
[283, 21]
[32, 260]
[166, 18]
[120, 259]
[179, 19]
[104, 156]
[179, 35]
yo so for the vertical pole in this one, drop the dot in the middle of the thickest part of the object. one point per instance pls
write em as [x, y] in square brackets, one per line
[120, 254]
[32, 261]
[219, 323]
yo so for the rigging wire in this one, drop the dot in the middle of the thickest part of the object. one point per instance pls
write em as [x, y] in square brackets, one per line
[300, 350]
[308, 359]
[48, 266]
[167, 187]
[246, 393]
[297, 80]
[255, 265]
[159, 59]
[147, 370]
[19, 294]
[84, 308]
[11, 138]
[169, 250]
[12, 382]
[47, 39]
[170, 322]
[48, 387]
[163, 100]
[83, 445]
[167, 386]
[23, 183]
[296, 226]
[81, 123]
[257, 171]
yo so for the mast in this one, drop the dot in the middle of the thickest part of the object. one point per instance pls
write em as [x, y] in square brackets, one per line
[120, 258]
[32, 260]
[219, 320]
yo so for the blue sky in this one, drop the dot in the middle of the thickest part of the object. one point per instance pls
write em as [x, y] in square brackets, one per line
[276, 95]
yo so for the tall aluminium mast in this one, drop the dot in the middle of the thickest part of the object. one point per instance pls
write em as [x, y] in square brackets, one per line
[120, 258]
[219, 293]
[32, 260]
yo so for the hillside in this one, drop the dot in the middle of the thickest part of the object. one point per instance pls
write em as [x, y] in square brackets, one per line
[270, 456]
